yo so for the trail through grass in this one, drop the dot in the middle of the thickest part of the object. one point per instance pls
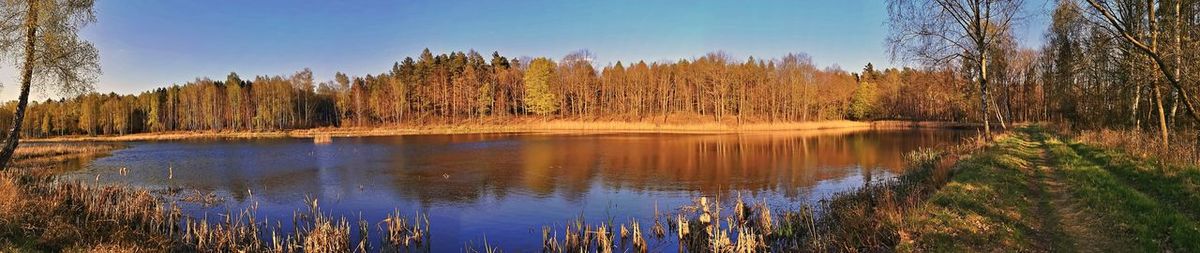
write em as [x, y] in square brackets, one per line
[1032, 191]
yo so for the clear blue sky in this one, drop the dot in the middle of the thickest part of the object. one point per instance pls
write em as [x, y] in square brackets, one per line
[148, 43]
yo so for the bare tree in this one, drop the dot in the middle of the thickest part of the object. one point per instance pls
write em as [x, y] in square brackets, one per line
[42, 34]
[936, 32]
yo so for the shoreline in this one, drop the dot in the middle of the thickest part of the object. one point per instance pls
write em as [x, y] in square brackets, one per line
[526, 126]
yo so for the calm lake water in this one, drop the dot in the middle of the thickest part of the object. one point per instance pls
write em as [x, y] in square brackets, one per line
[506, 187]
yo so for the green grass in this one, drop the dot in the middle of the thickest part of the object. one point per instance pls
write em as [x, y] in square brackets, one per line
[1175, 186]
[1031, 191]
[982, 207]
[1150, 223]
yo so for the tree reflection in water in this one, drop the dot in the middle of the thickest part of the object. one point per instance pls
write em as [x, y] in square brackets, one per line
[502, 185]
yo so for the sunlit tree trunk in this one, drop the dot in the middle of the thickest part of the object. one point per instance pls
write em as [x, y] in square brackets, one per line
[1158, 99]
[983, 92]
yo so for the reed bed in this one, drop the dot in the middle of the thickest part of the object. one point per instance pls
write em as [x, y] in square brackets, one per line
[322, 139]
[28, 151]
[402, 233]
[79, 217]
[48, 155]
[312, 231]
[54, 216]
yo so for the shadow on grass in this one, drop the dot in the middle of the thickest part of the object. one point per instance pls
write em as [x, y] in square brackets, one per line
[1177, 187]
[1147, 222]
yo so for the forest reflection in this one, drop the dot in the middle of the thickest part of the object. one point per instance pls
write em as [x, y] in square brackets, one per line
[463, 168]
[570, 166]
[507, 185]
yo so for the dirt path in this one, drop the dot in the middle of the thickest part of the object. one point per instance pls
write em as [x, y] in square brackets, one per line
[1067, 226]
[1049, 233]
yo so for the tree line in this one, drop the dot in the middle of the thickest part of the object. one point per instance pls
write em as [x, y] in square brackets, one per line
[971, 69]
[1124, 64]
[458, 86]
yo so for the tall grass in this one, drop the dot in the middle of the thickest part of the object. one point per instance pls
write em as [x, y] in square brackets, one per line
[40, 213]
[313, 231]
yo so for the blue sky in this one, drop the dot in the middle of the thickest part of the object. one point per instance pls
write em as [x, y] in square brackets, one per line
[148, 43]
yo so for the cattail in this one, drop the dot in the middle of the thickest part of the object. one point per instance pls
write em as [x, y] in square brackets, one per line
[603, 239]
[639, 242]
[683, 227]
[764, 218]
[659, 231]
[549, 241]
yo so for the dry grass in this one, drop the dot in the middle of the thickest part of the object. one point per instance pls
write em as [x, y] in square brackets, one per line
[37, 212]
[401, 233]
[110, 248]
[75, 215]
[25, 152]
[313, 231]
[1184, 148]
[575, 126]
[322, 139]
[166, 136]
[42, 155]
[525, 124]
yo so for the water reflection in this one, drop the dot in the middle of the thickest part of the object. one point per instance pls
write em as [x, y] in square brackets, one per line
[504, 185]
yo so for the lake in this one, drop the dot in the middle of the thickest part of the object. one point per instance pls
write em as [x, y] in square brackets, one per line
[506, 187]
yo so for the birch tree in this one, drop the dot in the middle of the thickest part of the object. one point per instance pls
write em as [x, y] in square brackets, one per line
[41, 35]
[937, 32]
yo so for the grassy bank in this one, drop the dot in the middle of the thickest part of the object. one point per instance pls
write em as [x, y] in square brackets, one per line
[521, 125]
[1035, 191]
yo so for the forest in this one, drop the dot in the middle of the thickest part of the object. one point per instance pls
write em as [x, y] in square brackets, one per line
[1086, 74]
[459, 86]
[1116, 65]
